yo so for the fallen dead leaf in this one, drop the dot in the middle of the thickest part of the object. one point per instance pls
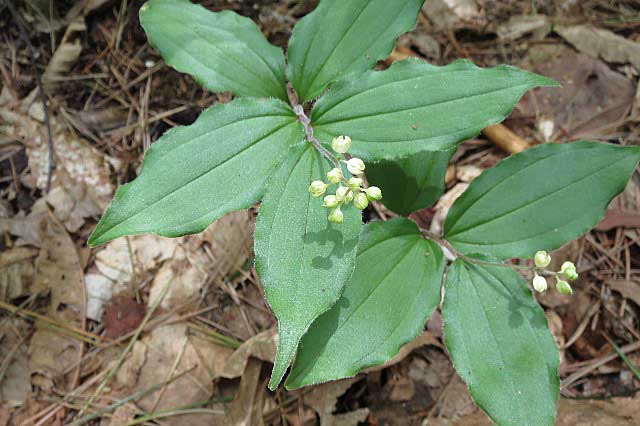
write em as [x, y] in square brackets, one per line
[592, 100]
[152, 362]
[424, 339]
[261, 346]
[616, 218]
[186, 281]
[598, 42]
[58, 268]
[246, 408]
[121, 316]
[520, 25]
[15, 386]
[66, 54]
[444, 204]
[609, 412]
[51, 354]
[629, 289]
[323, 399]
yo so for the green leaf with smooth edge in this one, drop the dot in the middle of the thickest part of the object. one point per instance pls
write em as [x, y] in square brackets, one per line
[500, 345]
[303, 260]
[394, 290]
[411, 183]
[221, 50]
[195, 174]
[414, 106]
[342, 37]
[539, 199]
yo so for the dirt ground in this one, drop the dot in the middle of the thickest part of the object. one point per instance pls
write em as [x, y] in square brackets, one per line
[98, 336]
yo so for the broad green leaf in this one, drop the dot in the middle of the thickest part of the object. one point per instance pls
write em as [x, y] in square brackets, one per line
[195, 174]
[500, 345]
[411, 183]
[539, 199]
[393, 291]
[303, 260]
[414, 106]
[343, 37]
[222, 51]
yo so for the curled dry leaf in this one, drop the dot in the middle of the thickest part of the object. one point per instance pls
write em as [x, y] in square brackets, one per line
[443, 205]
[323, 399]
[261, 346]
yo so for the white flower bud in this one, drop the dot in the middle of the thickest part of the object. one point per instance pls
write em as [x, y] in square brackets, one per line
[373, 193]
[355, 183]
[334, 175]
[330, 201]
[539, 283]
[360, 201]
[341, 193]
[563, 287]
[336, 216]
[568, 270]
[355, 166]
[341, 144]
[349, 197]
[542, 259]
[317, 188]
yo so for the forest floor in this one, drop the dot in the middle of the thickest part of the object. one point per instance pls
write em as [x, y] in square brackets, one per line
[96, 336]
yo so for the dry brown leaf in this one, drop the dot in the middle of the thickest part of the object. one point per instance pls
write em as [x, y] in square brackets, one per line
[601, 43]
[629, 289]
[58, 268]
[5, 415]
[593, 99]
[426, 338]
[401, 387]
[609, 412]
[444, 204]
[616, 218]
[520, 25]
[246, 408]
[51, 354]
[26, 228]
[188, 262]
[323, 399]
[123, 415]
[16, 272]
[66, 54]
[15, 386]
[151, 363]
[184, 278]
[261, 346]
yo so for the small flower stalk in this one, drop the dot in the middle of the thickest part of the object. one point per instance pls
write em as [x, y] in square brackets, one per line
[568, 272]
[348, 191]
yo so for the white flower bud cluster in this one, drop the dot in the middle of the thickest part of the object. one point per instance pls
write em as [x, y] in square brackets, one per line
[567, 272]
[348, 191]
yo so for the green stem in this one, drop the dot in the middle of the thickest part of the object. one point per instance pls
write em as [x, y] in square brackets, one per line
[446, 244]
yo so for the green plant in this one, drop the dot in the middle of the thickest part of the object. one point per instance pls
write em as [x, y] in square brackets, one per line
[346, 296]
